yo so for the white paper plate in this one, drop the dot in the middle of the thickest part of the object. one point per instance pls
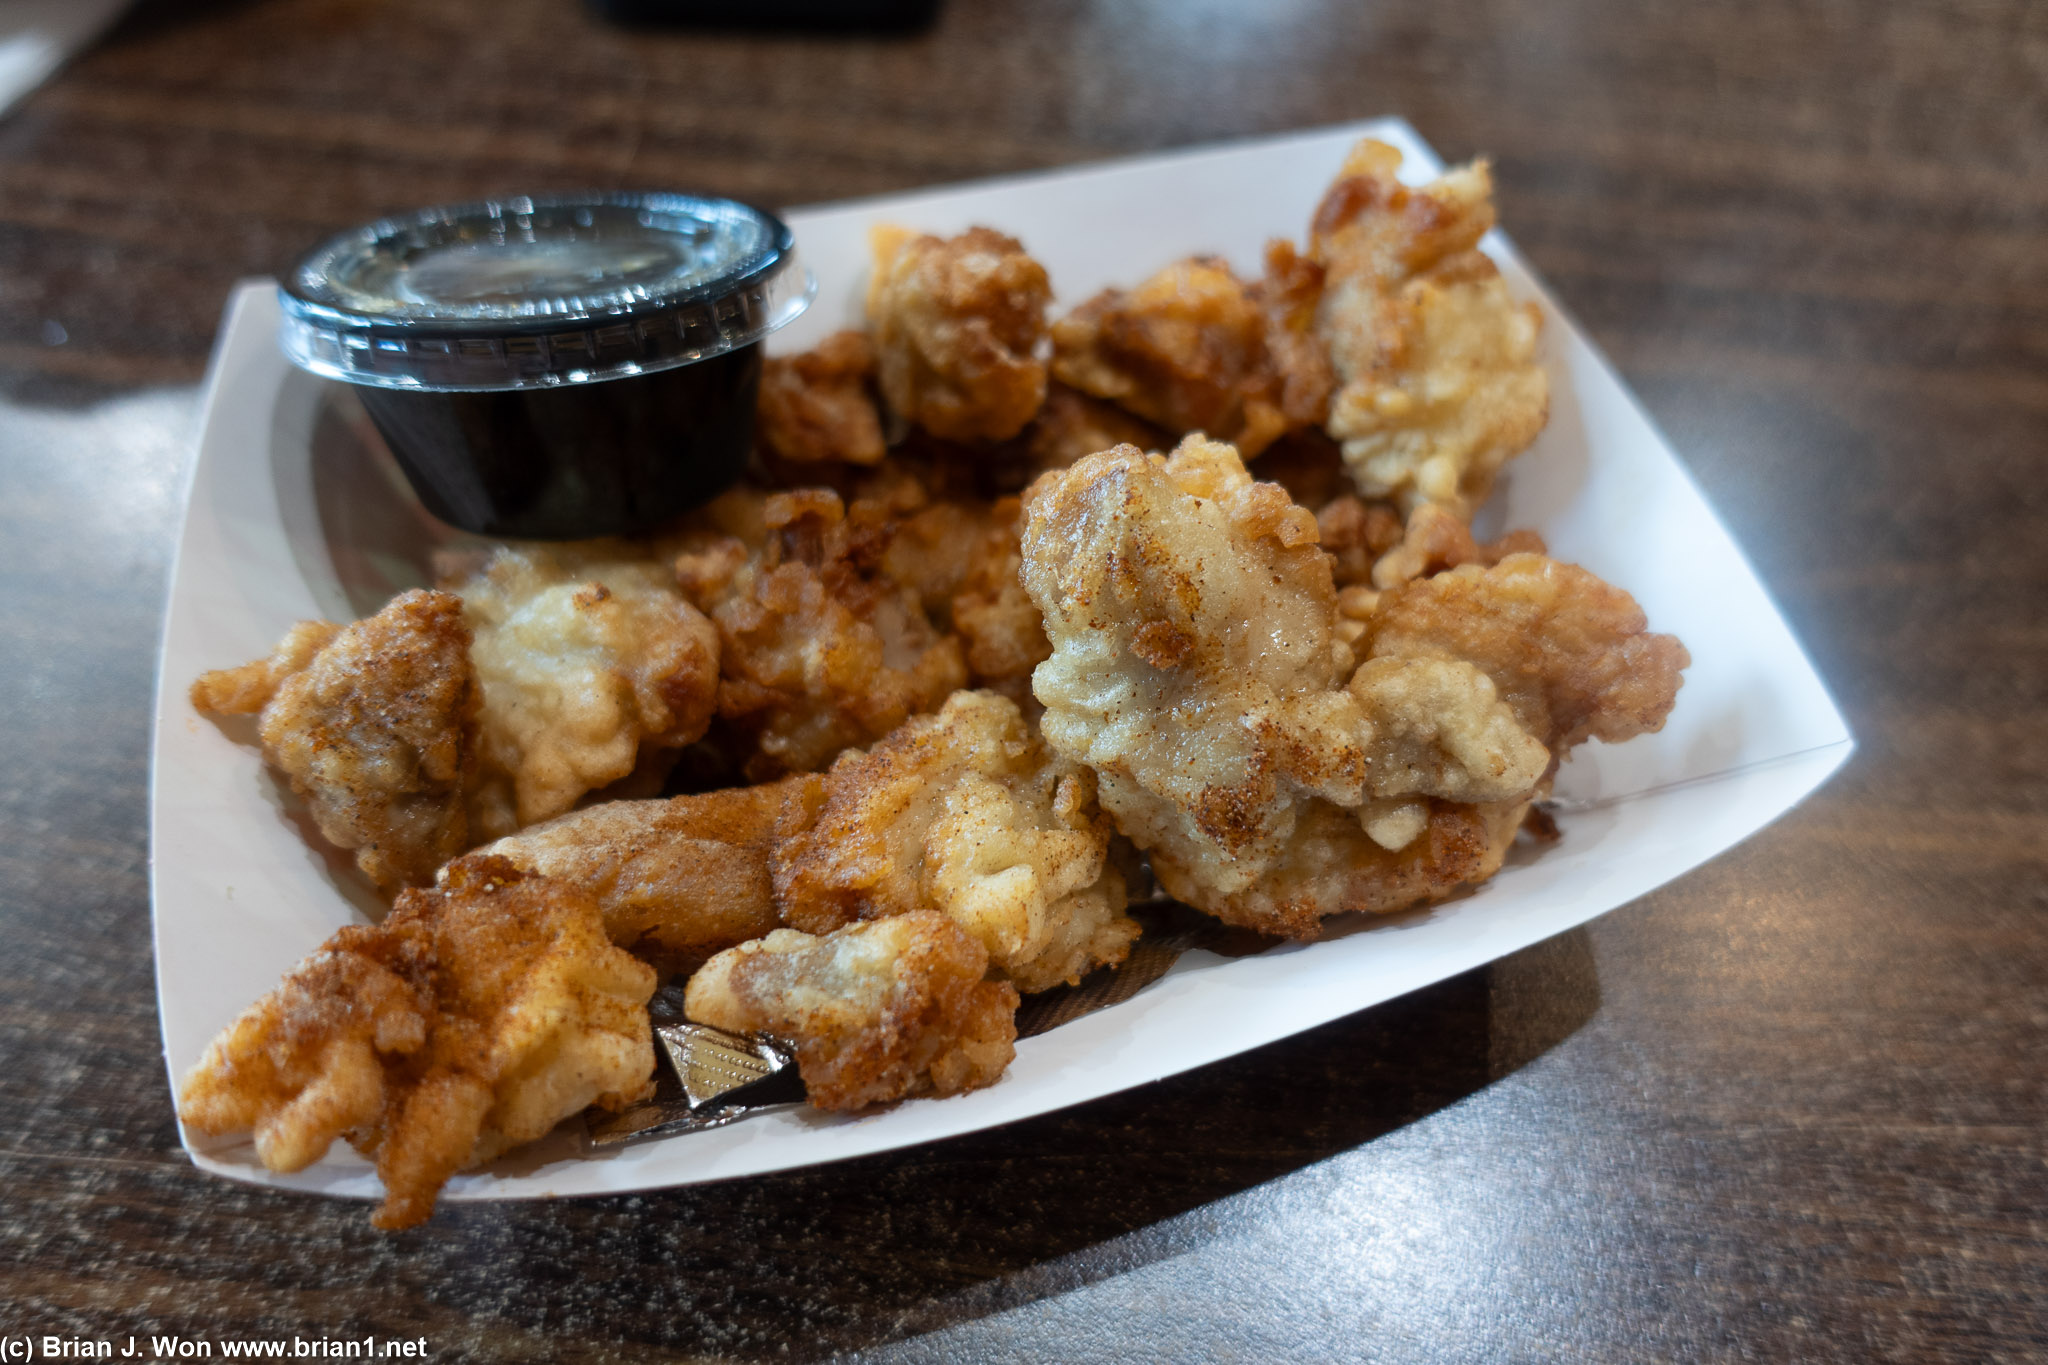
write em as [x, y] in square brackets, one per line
[293, 514]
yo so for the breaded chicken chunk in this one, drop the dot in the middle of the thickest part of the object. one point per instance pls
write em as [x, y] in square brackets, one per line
[1185, 349]
[956, 324]
[962, 558]
[1374, 550]
[1433, 539]
[1197, 669]
[1565, 654]
[1571, 654]
[676, 880]
[1072, 424]
[878, 1011]
[473, 1019]
[375, 725]
[1194, 667]
[1383, 857]
[588, 657]
[968, 813]
[1439, 382]
[817, 405]
[1290, 294]
[821, 649]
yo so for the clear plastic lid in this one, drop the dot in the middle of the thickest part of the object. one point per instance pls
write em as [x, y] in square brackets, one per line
[531, 292]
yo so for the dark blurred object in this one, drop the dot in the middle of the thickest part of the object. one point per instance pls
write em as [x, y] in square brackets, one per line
[839, 15]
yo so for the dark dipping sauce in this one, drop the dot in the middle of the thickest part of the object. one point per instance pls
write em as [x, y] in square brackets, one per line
[616, 458]
[554, 368]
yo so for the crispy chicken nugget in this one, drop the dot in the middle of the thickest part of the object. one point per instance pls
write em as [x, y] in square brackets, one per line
[375, 725]
[677, 880]
[968, 813]
[1440, 385]
[1185, 349]
[1374, 550]
[963, 559]
[1331, 863]
[1290, 294]
[1073, 424]
[956, 324]
[1197, 669]
[817, 405]
[877, 1011]
[1569, 657]
[1195, 666]
[820, 648]
[587, 655]
[473, 1019]
[1571, 654]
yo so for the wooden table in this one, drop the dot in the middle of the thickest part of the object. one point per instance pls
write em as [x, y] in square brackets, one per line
[1791, 1107]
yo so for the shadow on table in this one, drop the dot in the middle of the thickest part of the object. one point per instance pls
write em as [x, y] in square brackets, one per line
[836, 1258]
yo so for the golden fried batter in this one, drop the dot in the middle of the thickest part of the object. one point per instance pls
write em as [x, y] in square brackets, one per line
[1374, 551]
[966, 812]
[1185, 349]
[1072, 424]
[1357, 533]
[962, 559]
[1571, 654]
[1569, 658]
[877, 1011]
[246, 689]
[956, 325]
[587, 655]
[1289, 295]
[1196, 669]
[1440, 383]
[1434, 540]
[816, 406]
[1194, 664]
[473, 1019]
[375, 725]
[677, 880]
[821, 649]
[1329, 864]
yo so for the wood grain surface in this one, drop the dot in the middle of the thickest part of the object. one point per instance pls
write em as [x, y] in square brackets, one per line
[1791, 1107]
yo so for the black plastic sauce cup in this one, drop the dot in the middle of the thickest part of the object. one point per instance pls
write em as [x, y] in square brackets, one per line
[554, 367]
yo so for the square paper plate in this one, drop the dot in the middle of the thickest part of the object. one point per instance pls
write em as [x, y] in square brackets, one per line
[292, 514]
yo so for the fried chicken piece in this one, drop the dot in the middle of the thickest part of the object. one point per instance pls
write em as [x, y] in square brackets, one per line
[956, 324]
[1185, 349]
[1566, 653]
[676, 880]
[1330, 864]
[587, 657]
[375, 725]
[1434, 540]
[1194, 664]
[878, 1011]
[1196, 668]
[962, 558]
[1440, 382]
[1375, 551]
[246, 689]
[821, 649]
[1290, 294]
[473, 1019]
[817, 405]
[1072, 424]
[1571, 654]
[966, 812]
[1308, 464]
[1357, 533]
